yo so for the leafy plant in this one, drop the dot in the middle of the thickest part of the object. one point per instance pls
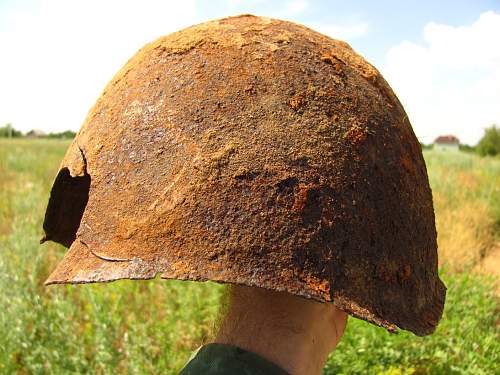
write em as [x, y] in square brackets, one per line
[489, 145]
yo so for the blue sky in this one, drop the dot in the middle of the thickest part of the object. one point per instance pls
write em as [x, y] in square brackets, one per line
[442, 58]
[388, 21]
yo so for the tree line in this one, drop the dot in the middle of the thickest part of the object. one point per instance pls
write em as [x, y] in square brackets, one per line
[490, 142]
[488, 145]
[8, 131]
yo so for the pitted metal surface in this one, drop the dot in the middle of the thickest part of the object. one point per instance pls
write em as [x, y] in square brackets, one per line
[253, 151]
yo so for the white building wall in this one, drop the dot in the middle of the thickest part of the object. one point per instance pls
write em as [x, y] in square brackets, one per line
[446, 146]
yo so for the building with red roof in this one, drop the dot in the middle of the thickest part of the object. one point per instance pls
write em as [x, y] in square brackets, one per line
[446, 143]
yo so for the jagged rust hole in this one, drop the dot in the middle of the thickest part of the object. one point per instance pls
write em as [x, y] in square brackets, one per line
[68, 199]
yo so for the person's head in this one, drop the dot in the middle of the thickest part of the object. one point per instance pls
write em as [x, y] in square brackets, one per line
[252, 312]
[293, 332]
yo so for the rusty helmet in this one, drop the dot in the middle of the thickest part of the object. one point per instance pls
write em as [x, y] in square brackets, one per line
[253, 151]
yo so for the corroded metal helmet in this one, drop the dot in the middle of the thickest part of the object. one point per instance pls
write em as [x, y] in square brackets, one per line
[253, 151]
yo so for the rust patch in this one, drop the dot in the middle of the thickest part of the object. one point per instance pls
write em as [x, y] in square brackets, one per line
[332, 60]
[244, 173]
[407, 164]
[386, 273]
[296, 102]
[301, 197]
[356, 134]
[405, 273]
[319, 285]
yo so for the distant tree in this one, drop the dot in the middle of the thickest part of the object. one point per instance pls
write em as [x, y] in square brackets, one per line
[490, 143]
[68, 134]
[466, 148]
[7, 131]
[425, 147]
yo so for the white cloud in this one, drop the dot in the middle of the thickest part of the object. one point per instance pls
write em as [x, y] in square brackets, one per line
[244, 6]
[296, 7]
[56, 60]
[450, 83]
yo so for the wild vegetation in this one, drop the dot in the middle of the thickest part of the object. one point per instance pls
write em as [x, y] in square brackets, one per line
[150, 327]
[489, 145]
[8, 131]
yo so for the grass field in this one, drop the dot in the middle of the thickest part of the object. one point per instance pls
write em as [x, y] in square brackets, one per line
[132, 327]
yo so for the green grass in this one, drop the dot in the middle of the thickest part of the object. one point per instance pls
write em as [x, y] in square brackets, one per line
[466, 192]
[466, 341]
[465, 177]
[150, 327]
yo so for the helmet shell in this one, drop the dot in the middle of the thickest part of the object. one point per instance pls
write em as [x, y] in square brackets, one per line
[253, 151]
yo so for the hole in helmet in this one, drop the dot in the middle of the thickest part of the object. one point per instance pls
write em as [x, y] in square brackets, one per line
[67, 202]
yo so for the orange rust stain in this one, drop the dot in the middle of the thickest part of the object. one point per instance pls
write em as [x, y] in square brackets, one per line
[338, 67]
[405, 272]
[301, 198]
[331, 60]
[318, 285]
[370, 75]
[385, 274]
[356, 134]
[296, 102]
[407, 164]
